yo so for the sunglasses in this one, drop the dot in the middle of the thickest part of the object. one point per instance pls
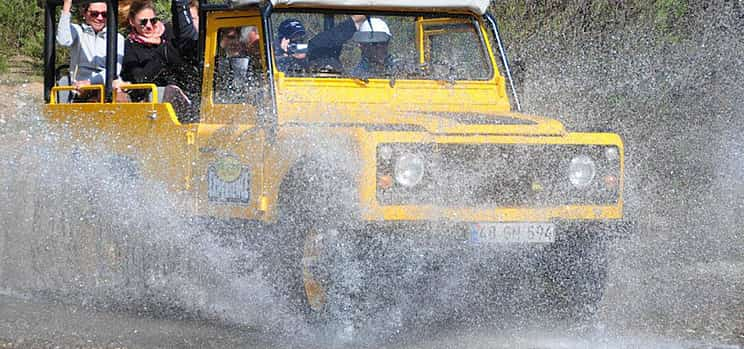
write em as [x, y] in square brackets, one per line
[95, 14]
[153, 21]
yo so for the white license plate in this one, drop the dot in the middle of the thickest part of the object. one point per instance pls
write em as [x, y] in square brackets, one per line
[503, 233]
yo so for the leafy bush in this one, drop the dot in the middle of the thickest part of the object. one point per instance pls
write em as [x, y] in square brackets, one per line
[3, 64]
[21, 20]
[523, 18]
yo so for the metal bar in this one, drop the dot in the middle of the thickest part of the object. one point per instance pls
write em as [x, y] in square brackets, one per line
[111, 47]
[49, 51]
[57, 89]
[200, 48]
[272, 123]
[153, 90]
[504, 58]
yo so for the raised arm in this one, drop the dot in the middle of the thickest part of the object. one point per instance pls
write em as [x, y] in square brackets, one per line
[184, 27]
[330, 42]
[66, 31]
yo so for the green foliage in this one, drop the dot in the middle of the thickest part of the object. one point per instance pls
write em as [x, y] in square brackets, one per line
[163, 9]
[668, 14]
[3, 64]
[520, 19]
[33, 44]
[20, 20]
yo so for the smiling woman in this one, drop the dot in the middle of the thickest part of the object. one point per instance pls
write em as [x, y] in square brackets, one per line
[88, 44]
[149, 58]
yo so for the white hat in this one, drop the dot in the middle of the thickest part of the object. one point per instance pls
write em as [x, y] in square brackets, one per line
[373, 30]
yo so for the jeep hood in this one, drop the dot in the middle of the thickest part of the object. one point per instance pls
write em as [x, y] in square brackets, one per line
[483, 123]
[501, 123]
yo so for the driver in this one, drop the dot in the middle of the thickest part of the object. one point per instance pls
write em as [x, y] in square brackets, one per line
[293, 53]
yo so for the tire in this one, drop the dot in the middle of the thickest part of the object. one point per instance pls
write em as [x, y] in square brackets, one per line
[576, 273]
[313, 252]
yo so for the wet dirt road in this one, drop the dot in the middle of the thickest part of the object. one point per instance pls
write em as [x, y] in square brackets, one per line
[696, 306]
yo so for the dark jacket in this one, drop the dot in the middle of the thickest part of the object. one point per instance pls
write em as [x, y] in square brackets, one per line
[157, 64]
[186, 37]
[323, 50]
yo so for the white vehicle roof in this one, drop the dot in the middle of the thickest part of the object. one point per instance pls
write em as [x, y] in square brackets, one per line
[477, 6]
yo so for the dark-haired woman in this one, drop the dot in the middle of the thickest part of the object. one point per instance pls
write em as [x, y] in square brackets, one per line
[150, 57]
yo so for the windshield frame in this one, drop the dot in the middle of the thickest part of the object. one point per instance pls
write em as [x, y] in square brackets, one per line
[475, 20]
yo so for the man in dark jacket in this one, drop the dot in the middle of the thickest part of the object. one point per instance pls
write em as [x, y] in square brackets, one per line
[321, 52]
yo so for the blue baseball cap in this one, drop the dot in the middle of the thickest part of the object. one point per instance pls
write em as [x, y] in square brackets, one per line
[291, 29]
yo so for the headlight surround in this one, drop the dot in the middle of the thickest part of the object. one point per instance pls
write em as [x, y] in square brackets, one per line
[409, 170]
[581, 171]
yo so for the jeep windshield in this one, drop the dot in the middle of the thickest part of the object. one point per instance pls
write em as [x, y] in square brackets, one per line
[380, 46]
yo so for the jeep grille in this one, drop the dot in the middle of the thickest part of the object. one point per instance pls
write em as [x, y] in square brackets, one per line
[499, 175]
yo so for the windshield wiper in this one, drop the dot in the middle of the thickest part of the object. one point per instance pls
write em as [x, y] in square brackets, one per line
[362, 80]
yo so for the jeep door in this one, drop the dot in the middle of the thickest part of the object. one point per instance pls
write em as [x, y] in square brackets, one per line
[230, 140]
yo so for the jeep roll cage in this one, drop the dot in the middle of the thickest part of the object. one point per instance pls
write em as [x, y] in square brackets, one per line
[266, 9]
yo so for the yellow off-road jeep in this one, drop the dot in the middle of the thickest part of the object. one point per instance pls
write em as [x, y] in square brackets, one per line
[353, 160]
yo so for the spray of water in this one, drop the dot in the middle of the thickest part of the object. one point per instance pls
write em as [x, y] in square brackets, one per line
[676, 102]
[73, 230]
[76, 229]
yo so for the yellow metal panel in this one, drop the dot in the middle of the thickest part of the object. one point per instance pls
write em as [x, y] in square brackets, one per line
[148, 133]
[244, 142]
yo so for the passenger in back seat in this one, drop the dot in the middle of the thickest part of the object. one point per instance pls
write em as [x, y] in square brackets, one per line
[87, 43]
[151, 56]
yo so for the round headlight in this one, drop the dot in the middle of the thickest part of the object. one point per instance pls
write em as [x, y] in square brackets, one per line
[581, 171]
[409, 170]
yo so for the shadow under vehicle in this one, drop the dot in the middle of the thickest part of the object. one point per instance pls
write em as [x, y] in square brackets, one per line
[347, 174]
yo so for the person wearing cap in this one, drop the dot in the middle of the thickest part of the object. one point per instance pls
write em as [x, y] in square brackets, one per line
[322, 51]
[373, 38]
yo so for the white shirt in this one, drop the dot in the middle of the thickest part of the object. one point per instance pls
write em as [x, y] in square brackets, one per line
[87, 50]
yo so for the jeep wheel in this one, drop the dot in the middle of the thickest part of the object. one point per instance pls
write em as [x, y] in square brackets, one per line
[576, 273]
[332, 280]
[316, 267]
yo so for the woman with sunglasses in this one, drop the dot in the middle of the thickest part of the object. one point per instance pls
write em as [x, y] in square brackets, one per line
[87, 43]
[150, 54]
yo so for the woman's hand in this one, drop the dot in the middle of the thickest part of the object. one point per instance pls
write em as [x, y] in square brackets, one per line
[66, 6]
[81, 83]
